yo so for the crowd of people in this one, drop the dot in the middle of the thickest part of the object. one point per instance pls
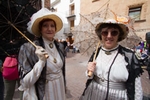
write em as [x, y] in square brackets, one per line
[142, 51]
[69, 47]
[113, 71]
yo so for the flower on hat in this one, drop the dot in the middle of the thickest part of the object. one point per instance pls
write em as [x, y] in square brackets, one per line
[122, 19]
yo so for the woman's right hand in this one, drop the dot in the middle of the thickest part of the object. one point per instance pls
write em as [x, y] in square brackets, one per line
[91, 66]
[40, 52]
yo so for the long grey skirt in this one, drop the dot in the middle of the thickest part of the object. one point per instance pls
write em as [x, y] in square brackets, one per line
[97, 92]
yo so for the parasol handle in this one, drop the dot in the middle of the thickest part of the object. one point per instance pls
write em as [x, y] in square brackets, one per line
[46, 56]
[144, 67]
[90, 73]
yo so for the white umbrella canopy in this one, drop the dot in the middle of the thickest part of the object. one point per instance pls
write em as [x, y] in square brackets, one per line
[85, 37]
[131, 41]
[85, 41]
[84, 34]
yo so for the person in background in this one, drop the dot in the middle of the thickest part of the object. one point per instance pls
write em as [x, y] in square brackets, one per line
[148, 67]
[148, 49]
[74, 48]
[10, 85]
[145, 45]
[116, 70]
[65, 45]
[142, 44]
[147, 62]
[1, 82]
[68, 46]
[139, 48]
[43, 78]
[77, 50]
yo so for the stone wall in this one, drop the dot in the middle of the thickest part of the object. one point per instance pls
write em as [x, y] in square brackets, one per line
[121, 7]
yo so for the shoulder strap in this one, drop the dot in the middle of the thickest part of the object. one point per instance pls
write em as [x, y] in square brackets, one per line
[109, 75]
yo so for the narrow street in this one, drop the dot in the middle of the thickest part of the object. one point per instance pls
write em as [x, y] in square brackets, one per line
[75, 77]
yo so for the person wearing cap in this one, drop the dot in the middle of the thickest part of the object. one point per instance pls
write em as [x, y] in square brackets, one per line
[42, 77]
[116, 70]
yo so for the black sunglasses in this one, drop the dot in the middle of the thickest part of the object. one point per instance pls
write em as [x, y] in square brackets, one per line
[113, 33]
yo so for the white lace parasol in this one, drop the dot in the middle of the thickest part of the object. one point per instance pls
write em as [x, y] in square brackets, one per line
[85, 37]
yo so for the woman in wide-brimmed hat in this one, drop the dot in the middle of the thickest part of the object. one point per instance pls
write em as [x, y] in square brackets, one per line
[43, 78]
[116, 70]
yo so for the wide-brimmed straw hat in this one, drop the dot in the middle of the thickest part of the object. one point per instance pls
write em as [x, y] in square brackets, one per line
[44, 13]
[120, 22]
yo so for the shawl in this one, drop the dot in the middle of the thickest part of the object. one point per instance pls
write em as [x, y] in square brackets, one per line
[27, 54]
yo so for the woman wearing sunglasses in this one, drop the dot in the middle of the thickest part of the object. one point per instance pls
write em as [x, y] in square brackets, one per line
[116, 70]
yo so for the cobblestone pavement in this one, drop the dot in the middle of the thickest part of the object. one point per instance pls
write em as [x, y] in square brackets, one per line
[75, 77]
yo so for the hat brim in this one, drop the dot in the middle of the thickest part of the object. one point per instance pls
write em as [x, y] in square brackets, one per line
[35, 26]
[122, 26]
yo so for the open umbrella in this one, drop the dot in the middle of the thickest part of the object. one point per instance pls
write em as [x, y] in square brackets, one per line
[84, 34]
[14, 13]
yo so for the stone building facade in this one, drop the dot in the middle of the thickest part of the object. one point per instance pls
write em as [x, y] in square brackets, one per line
[125, 8]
